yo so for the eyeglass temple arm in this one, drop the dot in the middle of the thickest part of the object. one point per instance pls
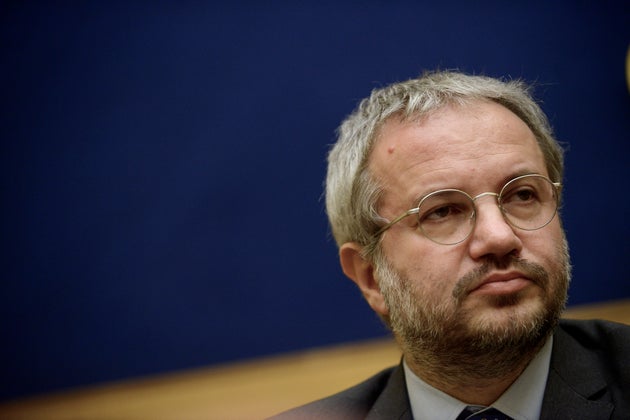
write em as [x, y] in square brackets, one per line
[396, 220]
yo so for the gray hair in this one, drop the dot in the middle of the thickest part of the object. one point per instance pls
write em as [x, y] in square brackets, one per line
[352, 192]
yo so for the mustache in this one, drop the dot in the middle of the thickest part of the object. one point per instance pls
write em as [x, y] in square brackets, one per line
[535, 272]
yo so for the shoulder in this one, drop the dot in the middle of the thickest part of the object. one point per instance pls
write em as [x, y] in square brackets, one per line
[598, 335]
[352, 403]
[593, 347]
[589, 376]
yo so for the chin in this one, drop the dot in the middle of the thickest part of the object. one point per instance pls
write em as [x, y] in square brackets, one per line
[509, 315]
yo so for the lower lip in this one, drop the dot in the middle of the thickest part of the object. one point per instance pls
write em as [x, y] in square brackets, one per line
[503, 287]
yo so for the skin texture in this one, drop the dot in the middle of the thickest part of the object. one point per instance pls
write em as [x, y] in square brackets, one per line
[481, 308]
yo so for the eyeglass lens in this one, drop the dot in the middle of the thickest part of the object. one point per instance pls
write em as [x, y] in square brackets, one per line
[448, 216]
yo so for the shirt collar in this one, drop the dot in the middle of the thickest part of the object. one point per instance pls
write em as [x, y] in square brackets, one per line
[521, 401]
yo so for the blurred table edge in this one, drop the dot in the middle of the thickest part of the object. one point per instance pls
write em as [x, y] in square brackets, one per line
[242, 390]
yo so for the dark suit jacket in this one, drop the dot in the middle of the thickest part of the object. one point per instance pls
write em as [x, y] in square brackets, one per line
[589, 378]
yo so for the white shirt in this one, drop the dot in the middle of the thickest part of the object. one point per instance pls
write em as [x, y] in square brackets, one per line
[521, 401]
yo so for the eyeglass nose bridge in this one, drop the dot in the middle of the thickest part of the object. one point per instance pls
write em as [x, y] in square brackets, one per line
[485, 194]
[497, 196]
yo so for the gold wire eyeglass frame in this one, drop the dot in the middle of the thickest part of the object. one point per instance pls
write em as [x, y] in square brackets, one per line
[416, 210]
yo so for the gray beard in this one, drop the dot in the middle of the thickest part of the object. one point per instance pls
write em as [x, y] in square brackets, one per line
[438, 338]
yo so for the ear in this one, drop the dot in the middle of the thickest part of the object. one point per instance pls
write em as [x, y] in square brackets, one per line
[361, 271]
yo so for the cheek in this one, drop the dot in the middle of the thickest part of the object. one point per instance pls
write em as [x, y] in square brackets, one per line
[431, 269]
[545, 246]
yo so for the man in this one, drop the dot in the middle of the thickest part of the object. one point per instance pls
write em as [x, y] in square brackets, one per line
[442, 193]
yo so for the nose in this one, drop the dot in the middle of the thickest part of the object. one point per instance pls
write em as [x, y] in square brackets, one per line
[492, 235]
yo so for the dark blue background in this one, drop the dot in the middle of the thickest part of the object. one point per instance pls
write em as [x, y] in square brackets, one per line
[162, 166]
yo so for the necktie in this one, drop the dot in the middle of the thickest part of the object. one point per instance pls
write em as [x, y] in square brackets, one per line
[490, 414]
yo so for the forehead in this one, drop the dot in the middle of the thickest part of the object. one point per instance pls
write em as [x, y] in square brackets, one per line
[455, 146]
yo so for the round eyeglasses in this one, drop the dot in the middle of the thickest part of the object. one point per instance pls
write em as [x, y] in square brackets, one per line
[447, 217]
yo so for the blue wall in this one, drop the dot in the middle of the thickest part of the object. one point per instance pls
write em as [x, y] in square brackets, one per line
[162, 167]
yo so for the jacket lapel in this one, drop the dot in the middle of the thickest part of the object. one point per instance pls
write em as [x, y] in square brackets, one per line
[575, 387]
[393, 402]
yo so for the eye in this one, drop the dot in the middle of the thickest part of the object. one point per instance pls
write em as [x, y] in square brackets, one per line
[523, 195]
[441, 213]
[444, 208]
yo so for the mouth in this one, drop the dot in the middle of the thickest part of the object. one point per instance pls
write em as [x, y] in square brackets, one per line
[502, 284]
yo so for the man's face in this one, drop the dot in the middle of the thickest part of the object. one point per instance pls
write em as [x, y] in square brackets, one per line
[501, 282]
